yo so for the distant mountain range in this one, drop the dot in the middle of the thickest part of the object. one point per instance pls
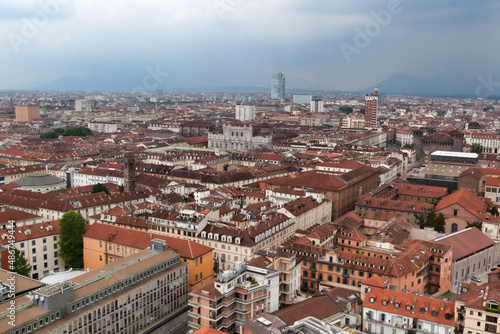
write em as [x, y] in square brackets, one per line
[396, 84]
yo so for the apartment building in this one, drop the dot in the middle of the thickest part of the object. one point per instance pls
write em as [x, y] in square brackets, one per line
[307, 212]
[478, 308]
[90, 205]
[387, 311]
[186, 223]
[137, 294]
[39, 244]
[104, 244]
[343, 190]
[421, 267]
[473, 254]
[232, 244]
[11, 174]
[227, 302]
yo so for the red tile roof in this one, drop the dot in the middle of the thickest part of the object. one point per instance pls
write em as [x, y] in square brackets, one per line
[142, 240]
[466, 242]
[375, 297]
[466, 199]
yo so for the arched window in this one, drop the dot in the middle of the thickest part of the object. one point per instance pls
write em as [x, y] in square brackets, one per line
[454, 227]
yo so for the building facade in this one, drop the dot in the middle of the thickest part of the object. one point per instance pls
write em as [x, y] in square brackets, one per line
[371, 109]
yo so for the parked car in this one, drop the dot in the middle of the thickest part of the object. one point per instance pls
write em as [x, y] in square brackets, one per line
[475, 279]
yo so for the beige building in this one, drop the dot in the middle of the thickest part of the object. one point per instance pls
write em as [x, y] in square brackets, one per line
[233, 245]
[479, 308]
[39, 244]
[27, 112]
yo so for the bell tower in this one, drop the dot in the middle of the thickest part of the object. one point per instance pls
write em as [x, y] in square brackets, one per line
[129, 172]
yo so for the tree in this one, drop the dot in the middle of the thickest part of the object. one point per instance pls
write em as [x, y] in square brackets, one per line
[440, 223]
[408, 146]
[21, 264]
[479, 225]
[476, 148]
[437, 223]
[71, 228]
[362, 111]
[494, 211]
[346, 109]
[98, 188]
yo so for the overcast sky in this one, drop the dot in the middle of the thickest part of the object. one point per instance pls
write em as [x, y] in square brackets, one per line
[318, 44]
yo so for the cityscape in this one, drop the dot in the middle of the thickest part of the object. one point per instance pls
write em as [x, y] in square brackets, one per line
[219, 168]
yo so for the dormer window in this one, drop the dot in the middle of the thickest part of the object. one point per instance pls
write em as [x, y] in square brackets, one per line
[434, 314]
[237, 241]
[203, 234]
[396, 305]
[422, 310]
[447, 316]
[372, 300]
[408, 308]
[384, 302]
[210, 236]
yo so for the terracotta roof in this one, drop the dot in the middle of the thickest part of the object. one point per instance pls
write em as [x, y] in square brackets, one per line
[466, 242]
[466, 199]
[493, 181]
[319, 306]
[376, 281]
[33, 231]
[142, 240]
[207, 291]
[439, 307]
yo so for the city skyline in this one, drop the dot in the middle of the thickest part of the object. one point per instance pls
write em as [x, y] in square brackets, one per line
[319, 46]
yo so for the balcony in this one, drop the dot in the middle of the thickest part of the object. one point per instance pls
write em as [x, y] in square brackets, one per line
[490, 328]
[193, 304]
[193, 315]
[193, 325]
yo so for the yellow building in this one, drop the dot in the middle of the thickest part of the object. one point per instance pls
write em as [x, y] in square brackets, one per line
[103, 244]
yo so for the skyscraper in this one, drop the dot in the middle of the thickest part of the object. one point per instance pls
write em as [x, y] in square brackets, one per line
[278, 86]
[371, 108]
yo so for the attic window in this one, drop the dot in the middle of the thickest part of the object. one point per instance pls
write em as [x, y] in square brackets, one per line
[422, 310]
[372, 300]
[408, 308]
[396, 305]
[434, 314]
[372, 265]
[447, 316]
[384, 302]
[237, 241]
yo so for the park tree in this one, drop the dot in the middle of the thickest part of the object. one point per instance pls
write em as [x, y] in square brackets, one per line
[476, 148]
[346, 109]
[71, 228]
[98, 188]
[21, 264]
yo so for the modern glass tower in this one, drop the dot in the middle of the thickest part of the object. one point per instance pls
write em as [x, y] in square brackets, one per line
[278, 86]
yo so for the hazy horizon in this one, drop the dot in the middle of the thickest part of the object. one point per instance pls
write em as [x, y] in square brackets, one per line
[319, 45]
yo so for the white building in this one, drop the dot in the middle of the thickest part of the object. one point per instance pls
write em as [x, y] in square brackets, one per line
[39, 244]
[83, 105]
[388, 311]
[240, 137]
[103, 127]
[317, 106]
[245, 113]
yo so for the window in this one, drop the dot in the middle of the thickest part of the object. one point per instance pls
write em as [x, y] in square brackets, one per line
[455, 212]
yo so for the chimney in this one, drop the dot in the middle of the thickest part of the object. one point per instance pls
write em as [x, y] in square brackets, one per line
[487, 290]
